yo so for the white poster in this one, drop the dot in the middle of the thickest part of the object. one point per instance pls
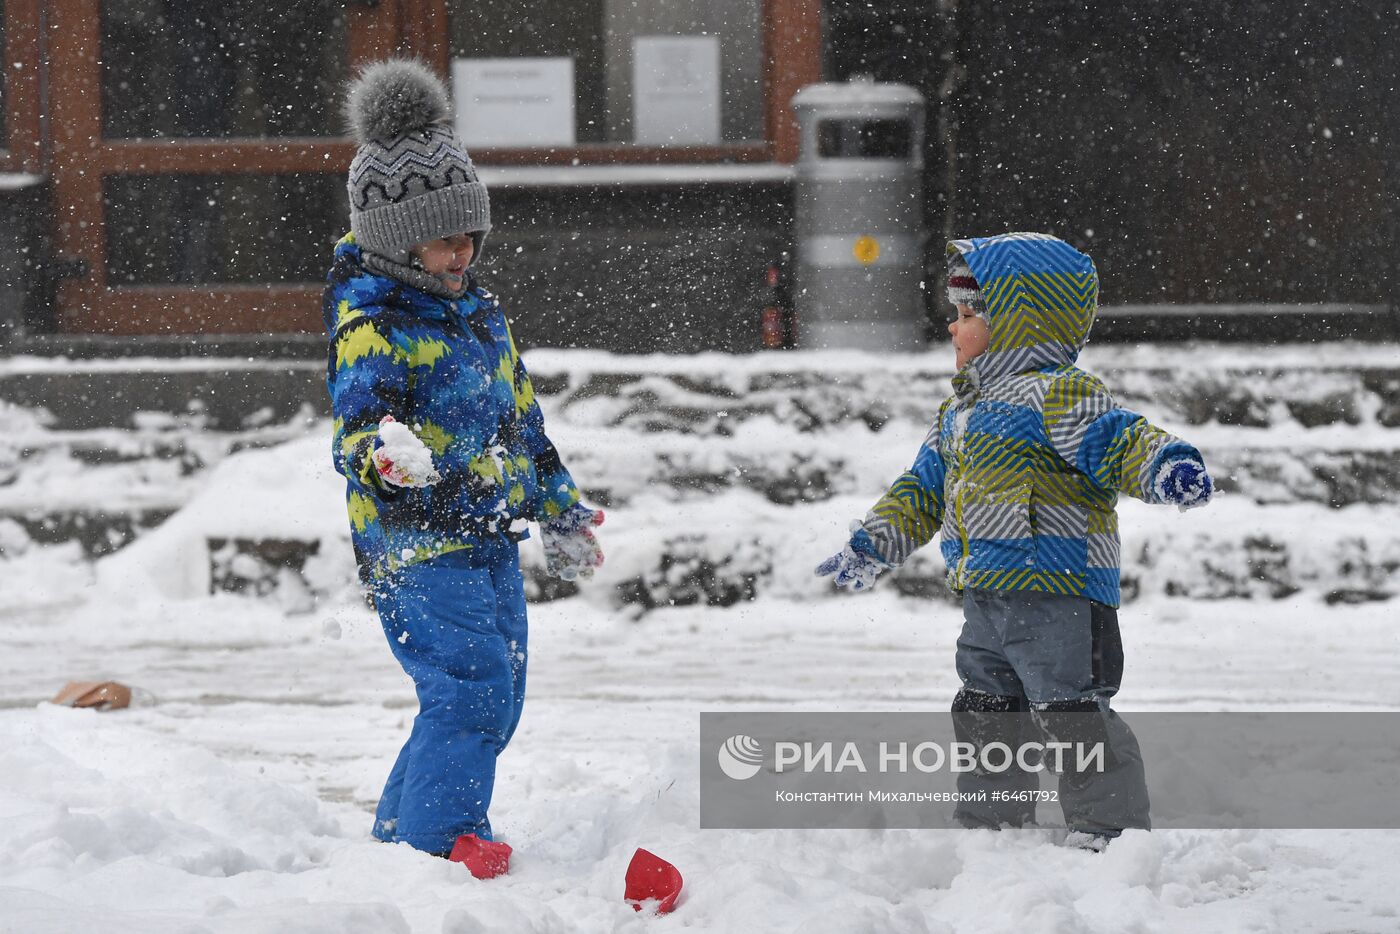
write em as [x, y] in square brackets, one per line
[514, 101]
[675, 90]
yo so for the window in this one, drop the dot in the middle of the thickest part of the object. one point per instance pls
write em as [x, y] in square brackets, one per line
[700, 63]
[231, 229]
[210, 68]
[863, 139]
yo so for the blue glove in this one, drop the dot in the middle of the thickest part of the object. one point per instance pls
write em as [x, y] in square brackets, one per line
[857, 565]
[1185, 483]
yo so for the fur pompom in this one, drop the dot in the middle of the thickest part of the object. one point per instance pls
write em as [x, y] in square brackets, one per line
[392, 98]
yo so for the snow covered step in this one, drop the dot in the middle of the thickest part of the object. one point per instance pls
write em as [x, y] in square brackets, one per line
[708, 394]
[102, 487]
[97, 533]
[812, 470]
[1334, 477]
[744, 548]
[711, 395]
[1230, 549]
[271, 523]
[1308, 397]
[263, 567]
[756, 435]
[222, 394]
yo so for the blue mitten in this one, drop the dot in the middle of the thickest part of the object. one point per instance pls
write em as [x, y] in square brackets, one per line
[857, 565]
[571, 550]
[1184, 482]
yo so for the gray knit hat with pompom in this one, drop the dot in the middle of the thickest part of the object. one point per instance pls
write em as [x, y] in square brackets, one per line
[411, 180]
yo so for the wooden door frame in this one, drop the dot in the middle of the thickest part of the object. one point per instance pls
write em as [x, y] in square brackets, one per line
[24, 151]
[82, 158]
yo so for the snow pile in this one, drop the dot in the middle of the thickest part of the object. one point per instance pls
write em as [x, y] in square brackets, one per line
[126, 829]
[103, 486]
[288, 493]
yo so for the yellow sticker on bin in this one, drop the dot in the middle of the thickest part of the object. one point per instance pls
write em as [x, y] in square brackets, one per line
[866, 250]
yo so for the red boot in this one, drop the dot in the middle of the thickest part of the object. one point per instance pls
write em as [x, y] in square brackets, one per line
[486, 859]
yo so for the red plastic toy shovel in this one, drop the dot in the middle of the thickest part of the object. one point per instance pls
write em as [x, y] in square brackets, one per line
[649, 877]
[485, 859]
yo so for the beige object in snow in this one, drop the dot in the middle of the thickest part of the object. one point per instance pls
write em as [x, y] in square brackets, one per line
[103, 695]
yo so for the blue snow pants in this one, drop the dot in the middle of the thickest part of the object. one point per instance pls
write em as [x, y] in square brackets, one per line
[1037, 667]
[459, 631]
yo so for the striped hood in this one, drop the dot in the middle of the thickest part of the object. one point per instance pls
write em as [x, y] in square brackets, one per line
[1041, 296]
[1020, 473]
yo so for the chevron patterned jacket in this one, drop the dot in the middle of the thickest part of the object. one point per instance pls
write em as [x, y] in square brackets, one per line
[1022, 469]
[450, 371]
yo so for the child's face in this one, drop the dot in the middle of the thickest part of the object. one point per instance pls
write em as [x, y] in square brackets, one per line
[970, 335]
[447, 258]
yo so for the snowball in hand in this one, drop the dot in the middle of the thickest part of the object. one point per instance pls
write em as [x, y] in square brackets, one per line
[402, 459]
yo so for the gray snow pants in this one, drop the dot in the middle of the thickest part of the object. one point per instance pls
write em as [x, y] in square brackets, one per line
[1037, 667]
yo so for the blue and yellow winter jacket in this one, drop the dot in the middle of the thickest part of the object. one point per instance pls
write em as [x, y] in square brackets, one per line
[1022, 469]
[449, 370]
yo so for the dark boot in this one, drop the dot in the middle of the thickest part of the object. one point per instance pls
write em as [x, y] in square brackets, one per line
[1110, 793]
[980, 719]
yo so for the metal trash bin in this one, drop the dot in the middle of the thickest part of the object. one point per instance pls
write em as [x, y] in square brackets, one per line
[859, 217]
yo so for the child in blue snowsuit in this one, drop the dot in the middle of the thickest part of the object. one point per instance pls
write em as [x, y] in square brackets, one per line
[443, 449]
[1020, 475]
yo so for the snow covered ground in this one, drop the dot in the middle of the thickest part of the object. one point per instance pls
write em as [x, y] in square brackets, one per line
[235, 795]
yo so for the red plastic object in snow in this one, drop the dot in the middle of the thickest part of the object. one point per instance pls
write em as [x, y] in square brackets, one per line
[486, 859]
[649, 877]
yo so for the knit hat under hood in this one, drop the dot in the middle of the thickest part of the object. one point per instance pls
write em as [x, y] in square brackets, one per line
[411, 180]
[962, 285]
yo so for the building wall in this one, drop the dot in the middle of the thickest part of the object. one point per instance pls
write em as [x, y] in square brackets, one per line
[1203, 152]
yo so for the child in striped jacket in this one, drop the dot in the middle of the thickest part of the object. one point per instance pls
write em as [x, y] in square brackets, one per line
[1020, 475]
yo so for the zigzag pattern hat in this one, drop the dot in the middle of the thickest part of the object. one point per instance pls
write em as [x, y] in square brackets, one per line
[962, 285]
[411, 179]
